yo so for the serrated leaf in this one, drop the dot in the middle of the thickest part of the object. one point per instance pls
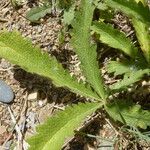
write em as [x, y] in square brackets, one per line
[68, 16]
[85, 50]
[38, 12]
[19, 51]
[118, 68]
[100, 5]
[125, 66]
[106, 15]
[17, 3]
[131, 9]
[143, 36]
[142, 33]
[143, 2]
[65, 4]
[114, 38]
[132, 114]
[52, 134]
[129, 78]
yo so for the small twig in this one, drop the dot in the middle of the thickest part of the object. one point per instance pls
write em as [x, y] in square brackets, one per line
[22, 121]
[117, 133]
[5, 5]
[53, 7]
[8, 138]
[17, 11]
[23, 113]
[16, 128]
[60, 108]
[3, 20]
[130, 33]
[111, 81]
[105, 146]
[94, 136]
[98, 137]
[6, 69]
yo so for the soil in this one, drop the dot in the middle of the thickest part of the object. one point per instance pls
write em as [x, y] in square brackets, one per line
[36, 98]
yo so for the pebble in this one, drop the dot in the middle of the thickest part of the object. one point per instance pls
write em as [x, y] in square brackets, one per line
[2, 129]
[8, 144]
[33, 96]
[6, 93]
[40, 103]
[5, 64]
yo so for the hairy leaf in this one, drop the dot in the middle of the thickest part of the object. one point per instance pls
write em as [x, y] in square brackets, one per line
[131, 8]
[114, 38]
[143, 1]
[132, 114]
[17, 3]
[21, 52]
[85, 50]
[118, 68]
[143, 36]
[65, 4]
[129, 78]
[125, 66]
[52, 134]
[102, 6]
[68, 16]
[38, 12]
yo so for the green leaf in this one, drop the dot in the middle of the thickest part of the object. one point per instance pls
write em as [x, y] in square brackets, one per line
[102, 6]
[106, 15]
[143, 36]
[85, 50]
[131, 113]
[125, 66]
[21, 52]
[142, 33]
[52, 134]
[129, 78]
[144, 136]
[38, 12]
[17, 3]
[143, 1]
[68, 16]
[65, 4]
[119, 68]
[131, 8]
[114, 38]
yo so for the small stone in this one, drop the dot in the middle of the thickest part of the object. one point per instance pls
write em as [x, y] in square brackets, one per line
[40, 103]
[39, 30]
[6, 93]
[5, 64]
[144, 83]
[2, 129]
[33, 96]
[8, 144]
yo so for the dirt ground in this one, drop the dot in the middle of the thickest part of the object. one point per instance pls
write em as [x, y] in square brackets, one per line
[36, 98]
